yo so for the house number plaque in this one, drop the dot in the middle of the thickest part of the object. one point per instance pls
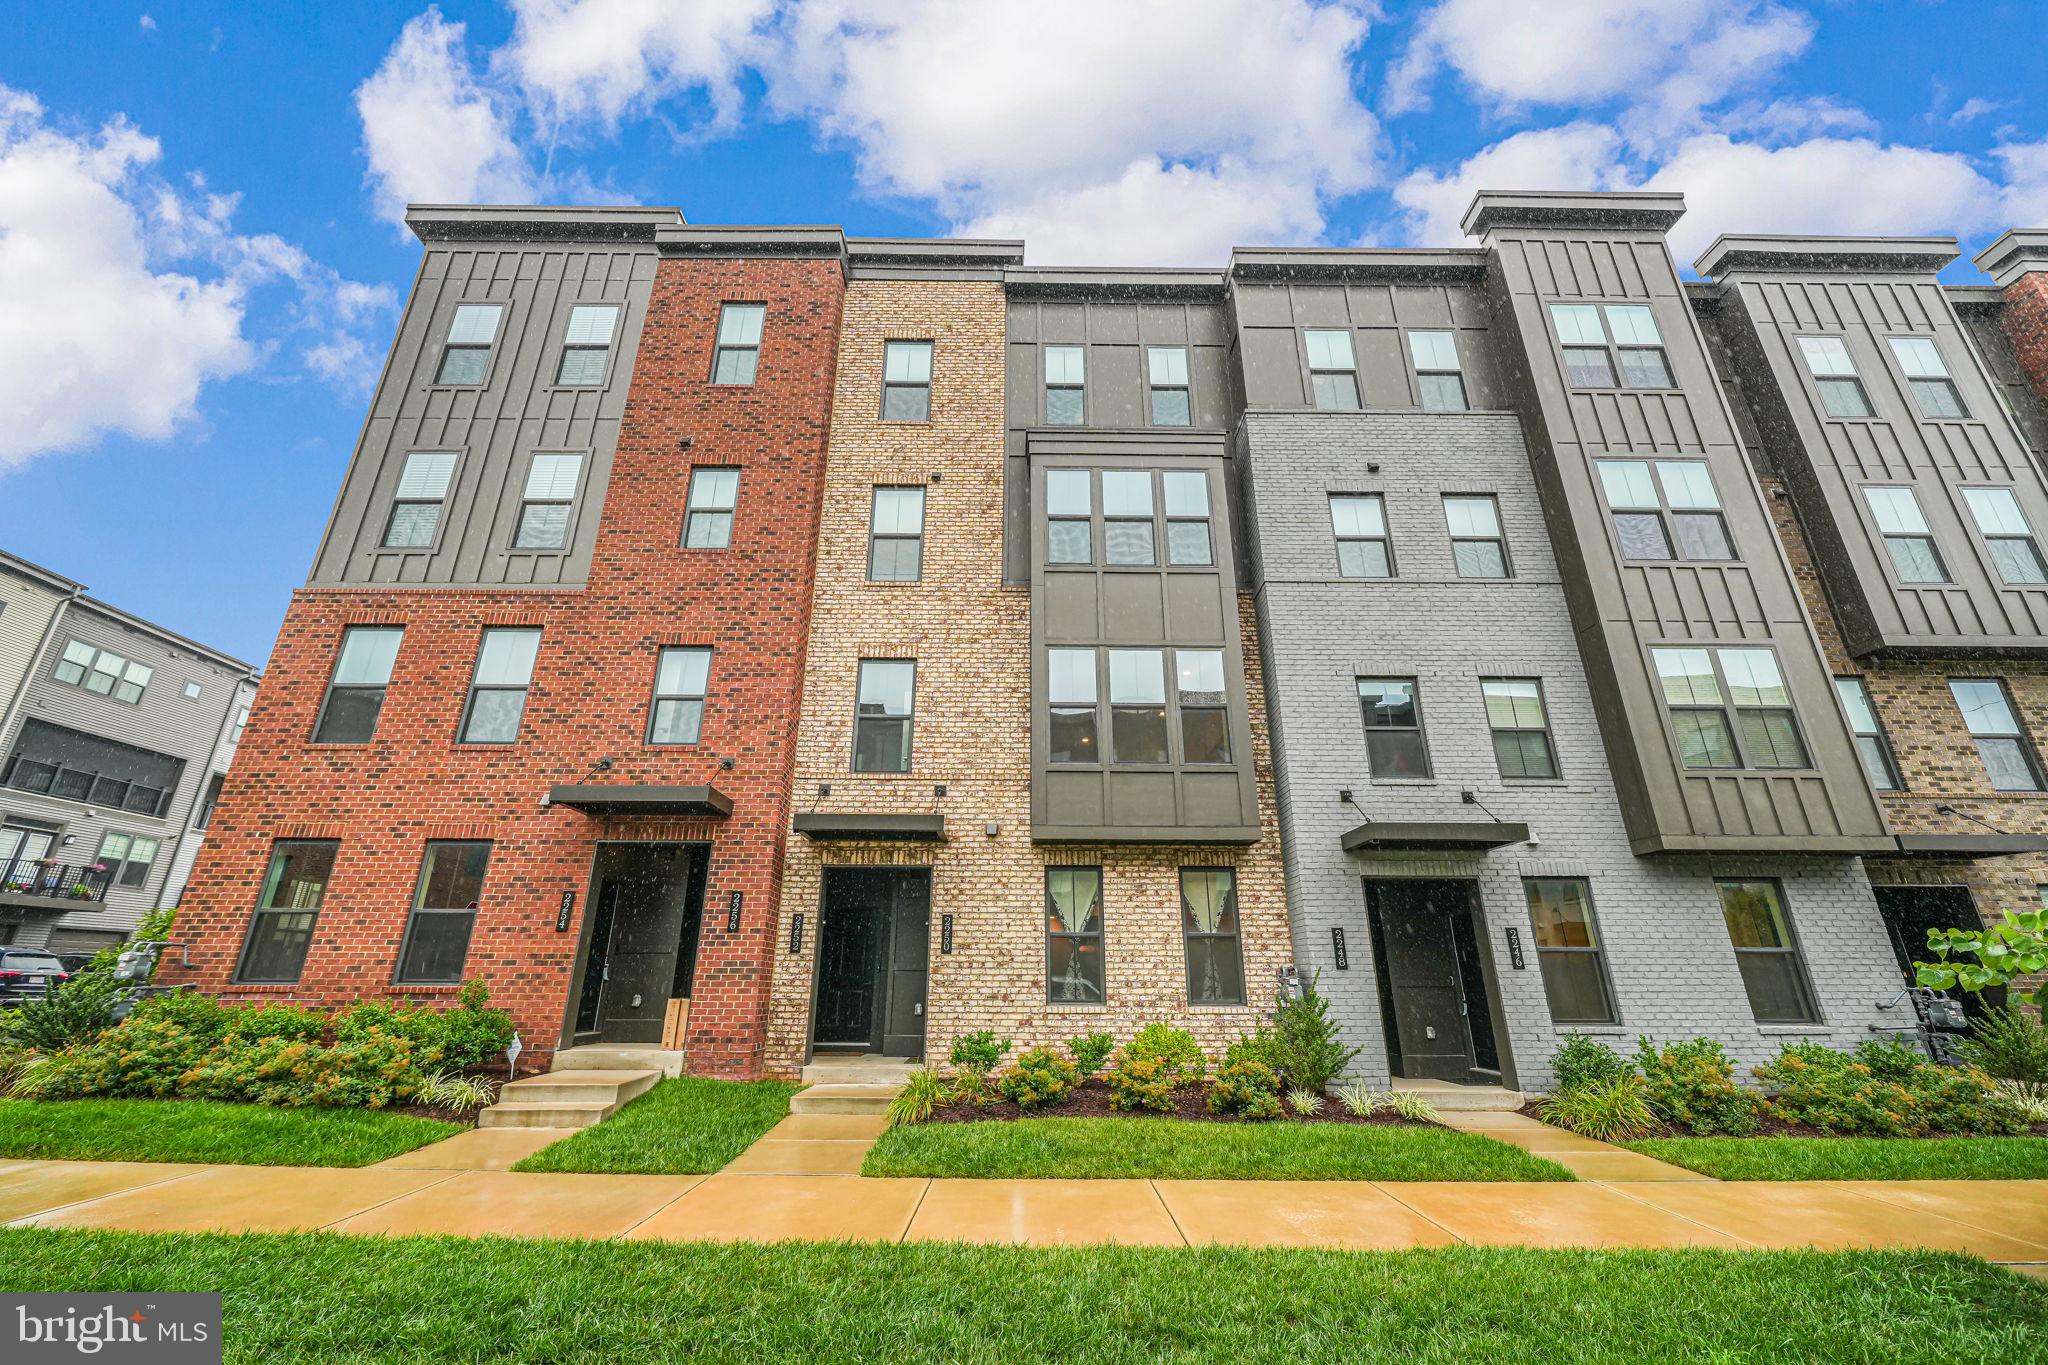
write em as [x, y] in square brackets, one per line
[566, 913]
[1515, 949]
[945, 933]
[732, 913]
[1337, 946]
[796, 932]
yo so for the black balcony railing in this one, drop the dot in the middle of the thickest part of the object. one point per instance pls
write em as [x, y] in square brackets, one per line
[55, 881]
[76, 784]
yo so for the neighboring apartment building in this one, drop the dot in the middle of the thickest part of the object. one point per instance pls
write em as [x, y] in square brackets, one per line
[116, 734]
[528, 720]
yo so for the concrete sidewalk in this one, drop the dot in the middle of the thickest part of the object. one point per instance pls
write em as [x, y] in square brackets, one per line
[2001, 1220]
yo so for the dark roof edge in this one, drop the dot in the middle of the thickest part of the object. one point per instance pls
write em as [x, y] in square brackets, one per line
[50, 577]
[1826, 255]
[797, 240]
[1152, 282]
[931, 258]
[2015, 253]
[135, 622]
[1359, 263]
[1599, 210]
[538, 222]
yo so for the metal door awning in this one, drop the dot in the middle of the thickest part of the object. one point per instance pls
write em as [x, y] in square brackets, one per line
[1984, 844]
[1375, 835]
[918, 827]
[697, 803]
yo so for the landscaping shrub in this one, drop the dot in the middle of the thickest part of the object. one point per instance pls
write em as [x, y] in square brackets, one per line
[1883, 1089]
[469, 1035]
[1175, 1047]
[1358, 1098]
[2030, 1100]
[371, 1072]
[1310, 1051]
[2009, 1043]
[1412, 1105]
[73, 1012]
[257, 1023]
[1260, 1045]
[1307, 1103]
[454, 1090]
[1152, 1066]
[924, 1092]
[1581, 1061]
[1612, 1110]
[1246, 1087]
[979, 1052]
[1091, 1051]
[1691, 1085]
[1040, 1077]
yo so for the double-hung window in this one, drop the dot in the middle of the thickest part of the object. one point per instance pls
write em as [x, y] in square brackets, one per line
[1137, 706]
[444, 912]
[1332, 370]
[1070, 693]
[1701, 686]
[2005, 531]
[707, 522]
[1477, 546]
[1187, 517]
[1127, 517]
[896, 537]
[1438, 379]
[127, 858]
[1073, 935]
[1394, 744]
[1834, 377]
[1360, 523]
[882, 715]
[1665, 509]
[544, 511]
[1772, 973]
[1934, 392]
[1906, 537]
[1166, 370]
[1871, 744]
[1568, 950]
[1601, 341]
[1069, 513]
[1066, 386]
[1204, 706]
[355, 693]
[416, 509]
[587, 345]
[286, 909]
[1521, 727]
[906, 381]
[681, 677]
[737, 356]
[103, 672]
[466, 356]
[2009, 759]
[497, 695]
[1209, 935]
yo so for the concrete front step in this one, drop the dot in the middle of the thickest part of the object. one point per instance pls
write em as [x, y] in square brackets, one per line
[843, 1099]
[619, 1057]
[560, 1115]
[1449, 1098]
[581, 1087]
[858, 1073]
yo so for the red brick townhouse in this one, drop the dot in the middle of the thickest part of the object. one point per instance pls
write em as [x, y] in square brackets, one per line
[531, 719]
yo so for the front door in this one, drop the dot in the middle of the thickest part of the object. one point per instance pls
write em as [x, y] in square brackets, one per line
[874, 939]
[1422, 981]
[1910, 911]
[646, 907]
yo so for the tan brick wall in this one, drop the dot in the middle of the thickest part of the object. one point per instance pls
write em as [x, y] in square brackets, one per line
[970, 635]
[1937, 760]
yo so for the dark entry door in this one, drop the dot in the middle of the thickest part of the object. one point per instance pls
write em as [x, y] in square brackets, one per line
[1910, 911]
[645, 914]
[873, 941]
[1422, 984]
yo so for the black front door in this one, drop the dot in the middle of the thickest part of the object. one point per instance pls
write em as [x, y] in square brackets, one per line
[645, 912]
[1424, 995]
[1910, 911]
[873, 942]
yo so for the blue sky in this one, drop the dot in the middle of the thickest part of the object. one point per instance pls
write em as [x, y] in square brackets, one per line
[200, 264]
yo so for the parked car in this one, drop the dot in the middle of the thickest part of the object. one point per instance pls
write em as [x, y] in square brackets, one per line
[28, 974]
[75, 963]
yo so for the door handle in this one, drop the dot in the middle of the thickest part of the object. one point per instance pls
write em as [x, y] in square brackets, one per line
[917, 1008]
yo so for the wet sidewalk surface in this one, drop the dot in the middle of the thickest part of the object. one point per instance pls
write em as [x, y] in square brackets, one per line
[2001, 1220]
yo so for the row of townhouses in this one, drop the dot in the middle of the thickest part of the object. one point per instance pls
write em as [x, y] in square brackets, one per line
[115, 740]
[872, 641]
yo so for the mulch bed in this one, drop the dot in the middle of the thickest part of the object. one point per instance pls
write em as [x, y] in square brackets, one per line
[1190, 1103]
[1770, 1126]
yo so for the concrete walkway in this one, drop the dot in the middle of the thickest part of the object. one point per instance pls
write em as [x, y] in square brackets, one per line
[1587, 1158]
[2001, 1220]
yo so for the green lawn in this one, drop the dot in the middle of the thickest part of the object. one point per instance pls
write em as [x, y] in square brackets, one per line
[1789, 1158]
[203, 1131]
[681, 1127]
[1100, 1149]
[321, 1297]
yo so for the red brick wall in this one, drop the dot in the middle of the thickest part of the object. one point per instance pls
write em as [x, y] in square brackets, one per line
[2025, 317]
[591, 689]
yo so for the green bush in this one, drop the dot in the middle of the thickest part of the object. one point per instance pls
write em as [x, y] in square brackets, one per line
[1581, 1061]
[1247, 1088]
[1142, 1083]
[1175, 1047]
[1612, 1110]
[923, 1093]
[258, 1023]
[979, 1052]
[1260, 1045]
[1883, 1089]
[2009, 1043]
[370, 1072]
[74, 1011]
[1040, 1077]
[469, 1035]
[1691, 1085]
[1311, 1050]
[1091, 1051]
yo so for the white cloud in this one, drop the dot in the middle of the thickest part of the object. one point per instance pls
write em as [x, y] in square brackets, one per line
[1577, 156]
[431, 131]
[148, 24]
[1974, 108]
[599, 58]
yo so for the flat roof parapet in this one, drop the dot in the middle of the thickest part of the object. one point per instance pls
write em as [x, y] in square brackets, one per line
[1128, 282]
[802, 240]
[1431, 264]
[1826, 255]
[1599, 210]
[931, 258]
[538, 222]
[2015, 253]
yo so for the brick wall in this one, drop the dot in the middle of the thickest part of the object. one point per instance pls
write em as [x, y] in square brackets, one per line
[970, 636]
[2025, 317]
[591, 689]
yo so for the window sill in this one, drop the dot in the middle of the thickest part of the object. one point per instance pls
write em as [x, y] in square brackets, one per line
[1591, 1030]
[460, 748]
[411, 986]
[1071, 1007]
[1793, 1030]
[1402, 781]
[1220, 1009]
[266, 987]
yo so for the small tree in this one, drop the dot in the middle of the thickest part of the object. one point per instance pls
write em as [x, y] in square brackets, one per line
[2004, 953]
[1306, 1044]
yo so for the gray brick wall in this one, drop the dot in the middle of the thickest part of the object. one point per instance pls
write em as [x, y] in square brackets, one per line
[1673, 971]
